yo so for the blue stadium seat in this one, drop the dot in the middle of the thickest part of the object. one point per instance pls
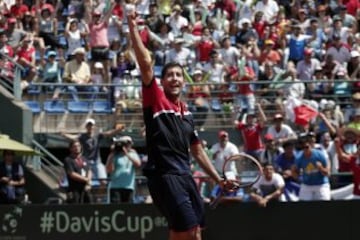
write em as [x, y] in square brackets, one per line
[62, 40]
[157, 71]
[215, 105]
[54, 106]
[233, 40]
[78, 106]
[34, 106]
[102, 107]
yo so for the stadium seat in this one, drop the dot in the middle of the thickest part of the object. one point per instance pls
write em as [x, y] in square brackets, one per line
[78, 106]
[157, 71]
[54, 106]
[215, 105]
[34, 106]
[102, 107]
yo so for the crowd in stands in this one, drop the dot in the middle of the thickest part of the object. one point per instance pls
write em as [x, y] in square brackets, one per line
[242, 57]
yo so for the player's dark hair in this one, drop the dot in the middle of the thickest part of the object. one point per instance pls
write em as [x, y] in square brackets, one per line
[170, 65]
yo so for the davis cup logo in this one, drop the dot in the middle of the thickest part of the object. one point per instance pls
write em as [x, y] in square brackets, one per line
[10, 220]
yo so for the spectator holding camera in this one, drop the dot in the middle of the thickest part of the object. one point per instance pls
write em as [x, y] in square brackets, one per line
[121, 164]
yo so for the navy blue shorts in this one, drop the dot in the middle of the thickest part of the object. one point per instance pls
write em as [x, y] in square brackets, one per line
[178, 200]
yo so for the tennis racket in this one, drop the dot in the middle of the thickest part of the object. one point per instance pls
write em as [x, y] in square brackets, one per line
[239, 171]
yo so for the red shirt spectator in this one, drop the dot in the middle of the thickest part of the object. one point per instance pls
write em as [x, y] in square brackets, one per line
[18, 9]
[205, 47]
[251, 135]
[355, 168]
[246, 89]
[352, 6]
[118, 11]
[26, 53]
[227, 6]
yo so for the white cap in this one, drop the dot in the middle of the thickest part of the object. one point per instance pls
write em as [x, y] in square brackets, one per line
[197, 71]
[79, 50]
[123, 139]
[354, 53]
[90, 120]
[98, 65]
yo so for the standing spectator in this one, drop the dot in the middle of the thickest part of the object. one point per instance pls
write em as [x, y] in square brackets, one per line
[99, 43]
[222, 150]
[12, 179]
[269, 187]
[271, 150]
[315, 171]
[270, 9]
[280, 131]
[74, 36]
[306, 67]
[15, 35]
[78, 71]
[120, 165]
[297, 43]
[317, 45]
[245, 99]
[154, 19]
[205, 46]
[179, 53]
[251, 132]
[18, 9]
[90, 141]
[283, 165]
[329, 145]
[339, 50]
[229, 54]
[176, 21]
[268, 54]
[216, 69]
[78, 174]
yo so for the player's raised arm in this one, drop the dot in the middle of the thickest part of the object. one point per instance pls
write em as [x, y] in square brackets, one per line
[142, 54]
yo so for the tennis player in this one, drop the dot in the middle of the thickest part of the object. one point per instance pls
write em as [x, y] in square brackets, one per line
[169, 135]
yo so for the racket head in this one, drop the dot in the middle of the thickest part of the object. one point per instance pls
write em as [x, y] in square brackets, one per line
[243, 169]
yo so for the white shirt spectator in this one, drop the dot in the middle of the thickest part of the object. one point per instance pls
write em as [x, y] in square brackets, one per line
[266, 187]
[222, 154]
[142, 7]
[295, 89]
[216, 72]
[285, 132]
[181, 57]
[270, 8]
[306, 70]
[230, 55]
[176, 24]
[342, 55]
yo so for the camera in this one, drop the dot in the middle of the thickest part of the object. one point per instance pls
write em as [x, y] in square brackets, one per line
[121, 142]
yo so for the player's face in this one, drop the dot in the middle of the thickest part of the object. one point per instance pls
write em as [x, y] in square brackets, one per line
[173, 82]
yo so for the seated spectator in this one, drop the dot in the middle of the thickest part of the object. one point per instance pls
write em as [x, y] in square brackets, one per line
[26, 57]
[14, 34]
[78, 174]
[268, 54]
[179, 54]
[12, 179]
[306, 67]
[77, 71]
[216, 70]
[120, 166]
[51, 73]
[269, 187]
[98, 75]
[18, 9]
[339, 50]
[347, 142]
[235, 196]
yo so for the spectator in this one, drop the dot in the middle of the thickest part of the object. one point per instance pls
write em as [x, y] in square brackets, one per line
[268, 54]
[339, 50]
[154, 19]
[205, 46]
[99, 43]
[283, 165]
[26, 58]
[269, 187]
[198, 96]
[329, 145]
[78, 174]
[297, 43]
[250, 131]
[176, 21]
[18, 9]
[271, 151]
[317, 44]
[90, 141]
[78, 71]
[315, 172]
[228, 53]
[120, 166]
[74, 36]
[167, 37]
[353, 162]
[179, 53]
[306, 67]
[222, 150]
[12, 180]
[270, 9]
[52, 74]
[280, 131]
